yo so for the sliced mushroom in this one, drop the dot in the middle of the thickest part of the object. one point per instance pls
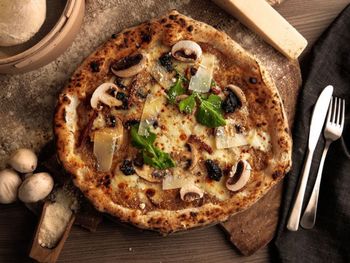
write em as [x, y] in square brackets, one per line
[239, 176]
[146, 172]
[129, 66]
[194, 156]
[239, 93]
[103, 95]
[186, 51]
[190, 192]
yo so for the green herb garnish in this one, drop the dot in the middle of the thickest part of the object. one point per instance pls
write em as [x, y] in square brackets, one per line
[187, 105]
[176, 89]
[150, 153]
[209, 112]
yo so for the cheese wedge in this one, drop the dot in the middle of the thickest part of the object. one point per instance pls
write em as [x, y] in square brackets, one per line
[260, 17]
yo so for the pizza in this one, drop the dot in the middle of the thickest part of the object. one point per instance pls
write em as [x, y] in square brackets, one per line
[172, 125]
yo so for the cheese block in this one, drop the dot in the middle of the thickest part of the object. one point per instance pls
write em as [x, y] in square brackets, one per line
[260, 17]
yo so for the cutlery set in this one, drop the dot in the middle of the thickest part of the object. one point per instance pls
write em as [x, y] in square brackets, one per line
[332, 131]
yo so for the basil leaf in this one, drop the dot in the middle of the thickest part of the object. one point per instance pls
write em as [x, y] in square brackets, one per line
[176, 89]
[150, 153]
[141, 141]
[187, 105]
[158, 159]
[209, 112]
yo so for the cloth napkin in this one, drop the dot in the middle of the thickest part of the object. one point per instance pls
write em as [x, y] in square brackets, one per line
[329, 241]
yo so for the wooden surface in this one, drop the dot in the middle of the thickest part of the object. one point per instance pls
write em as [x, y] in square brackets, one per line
[17, 224]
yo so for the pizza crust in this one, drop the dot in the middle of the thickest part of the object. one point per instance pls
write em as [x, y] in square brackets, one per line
[169, 29]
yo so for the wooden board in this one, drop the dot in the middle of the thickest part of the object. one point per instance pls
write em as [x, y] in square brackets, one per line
[111, 243]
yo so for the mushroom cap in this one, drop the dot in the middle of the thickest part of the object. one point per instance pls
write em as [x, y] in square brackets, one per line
[101, 95]
[130, 65]
[9, 184]
[186, 51]
[35, 188]
[23, 160]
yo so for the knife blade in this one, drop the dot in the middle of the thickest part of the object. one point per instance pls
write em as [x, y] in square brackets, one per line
[319, 115]
[317, 120]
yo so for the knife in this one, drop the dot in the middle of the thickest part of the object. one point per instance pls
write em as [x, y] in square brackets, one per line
[317, 121]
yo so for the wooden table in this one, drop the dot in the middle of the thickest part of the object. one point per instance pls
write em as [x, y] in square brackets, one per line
[17, 224]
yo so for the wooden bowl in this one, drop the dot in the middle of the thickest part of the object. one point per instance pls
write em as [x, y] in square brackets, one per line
[62, 23]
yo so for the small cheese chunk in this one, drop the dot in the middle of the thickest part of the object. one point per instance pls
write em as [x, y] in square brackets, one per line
[260, 17]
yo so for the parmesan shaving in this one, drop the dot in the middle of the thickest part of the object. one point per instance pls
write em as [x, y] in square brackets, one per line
[226, 137]
[150, 112]
[163, 77]
[171, 181]
[201, 81]
[104, 146]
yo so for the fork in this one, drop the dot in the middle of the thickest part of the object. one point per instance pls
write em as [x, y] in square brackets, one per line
[332, 132]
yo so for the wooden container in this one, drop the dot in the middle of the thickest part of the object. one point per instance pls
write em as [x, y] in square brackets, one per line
[62, 23]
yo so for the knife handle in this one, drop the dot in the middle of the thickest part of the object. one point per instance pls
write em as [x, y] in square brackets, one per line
[294, 218]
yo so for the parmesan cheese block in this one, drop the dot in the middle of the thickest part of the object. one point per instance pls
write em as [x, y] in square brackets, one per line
[259, 16]
[20, 20]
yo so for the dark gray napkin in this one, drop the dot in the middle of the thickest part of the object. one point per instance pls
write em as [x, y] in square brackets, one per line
[329, 241]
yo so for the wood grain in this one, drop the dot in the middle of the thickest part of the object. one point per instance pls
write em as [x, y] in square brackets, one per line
[111, 243]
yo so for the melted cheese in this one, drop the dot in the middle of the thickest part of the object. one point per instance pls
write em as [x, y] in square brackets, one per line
[216, 189]
[259, 140]
[131, 181]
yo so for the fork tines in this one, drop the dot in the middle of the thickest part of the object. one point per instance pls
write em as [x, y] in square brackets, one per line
[336, 113]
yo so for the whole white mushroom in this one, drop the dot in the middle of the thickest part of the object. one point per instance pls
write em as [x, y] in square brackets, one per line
[9, 183]
[23, 160]
[35, 187]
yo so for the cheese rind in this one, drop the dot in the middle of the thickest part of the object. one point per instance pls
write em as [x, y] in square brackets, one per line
[260, 17]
